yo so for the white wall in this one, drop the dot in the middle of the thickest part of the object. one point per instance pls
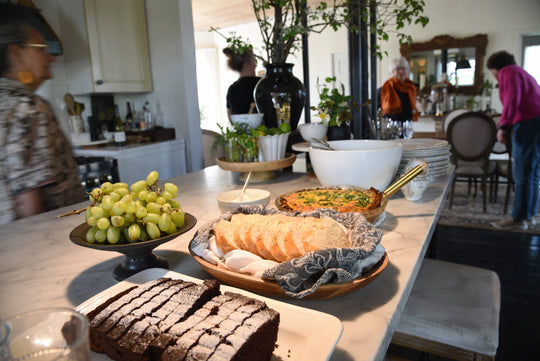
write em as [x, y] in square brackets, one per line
[503, 21]
[172, 50]
[172, 57]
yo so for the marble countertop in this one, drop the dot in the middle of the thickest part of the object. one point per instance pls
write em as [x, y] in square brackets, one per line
[40, 267]
[130, 150]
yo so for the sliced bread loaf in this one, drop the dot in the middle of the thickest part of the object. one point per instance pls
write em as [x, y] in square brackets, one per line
[279, 237]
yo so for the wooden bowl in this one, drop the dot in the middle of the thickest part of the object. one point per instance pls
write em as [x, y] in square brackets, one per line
[270, 288]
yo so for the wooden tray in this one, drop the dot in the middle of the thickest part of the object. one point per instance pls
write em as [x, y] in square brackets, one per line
[262, 171]
[269, 288]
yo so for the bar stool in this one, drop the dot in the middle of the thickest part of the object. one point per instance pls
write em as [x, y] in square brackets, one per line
[453, 312]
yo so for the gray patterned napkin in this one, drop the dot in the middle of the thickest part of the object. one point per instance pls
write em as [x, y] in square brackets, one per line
[301, 276]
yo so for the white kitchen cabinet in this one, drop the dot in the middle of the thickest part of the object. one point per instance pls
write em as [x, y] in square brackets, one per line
[110, 54]
[136, 161]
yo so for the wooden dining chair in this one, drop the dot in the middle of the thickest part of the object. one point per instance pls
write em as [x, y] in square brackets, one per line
[452, 312]
[211, 149]
[448, 118]
[471, 136]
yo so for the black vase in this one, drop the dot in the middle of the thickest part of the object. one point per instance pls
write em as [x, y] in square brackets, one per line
[342, 132]
[280, 96]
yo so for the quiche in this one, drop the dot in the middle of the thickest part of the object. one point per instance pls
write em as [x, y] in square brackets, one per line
[339, 199]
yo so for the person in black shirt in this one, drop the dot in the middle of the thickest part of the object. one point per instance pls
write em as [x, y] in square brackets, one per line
[240, 94]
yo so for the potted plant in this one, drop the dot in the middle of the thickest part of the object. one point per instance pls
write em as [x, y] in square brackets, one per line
[282, 24]
[335, 109]
[241, 143]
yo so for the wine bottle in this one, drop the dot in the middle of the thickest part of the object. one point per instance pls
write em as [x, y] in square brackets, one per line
[129, 118]
[119, 134]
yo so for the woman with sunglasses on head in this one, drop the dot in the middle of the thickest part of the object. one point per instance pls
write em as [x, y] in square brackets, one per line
[37, 166]
[519, 126]
[398, 94]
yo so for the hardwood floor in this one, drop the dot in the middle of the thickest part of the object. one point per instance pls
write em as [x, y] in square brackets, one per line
[515, 257]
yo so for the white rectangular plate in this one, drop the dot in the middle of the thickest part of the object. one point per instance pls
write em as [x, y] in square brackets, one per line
[304, 334]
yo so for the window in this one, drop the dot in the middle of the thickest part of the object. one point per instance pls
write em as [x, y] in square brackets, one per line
[531, 55]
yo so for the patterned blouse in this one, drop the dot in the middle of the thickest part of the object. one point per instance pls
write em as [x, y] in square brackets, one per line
[34, 152]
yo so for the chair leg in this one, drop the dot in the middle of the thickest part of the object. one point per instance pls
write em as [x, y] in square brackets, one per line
[483, 187]
[493, 188]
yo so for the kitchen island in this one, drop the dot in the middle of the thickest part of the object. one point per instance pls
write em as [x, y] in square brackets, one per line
[40, 267]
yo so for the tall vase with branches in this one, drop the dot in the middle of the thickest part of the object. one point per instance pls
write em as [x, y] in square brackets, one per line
[282, 23]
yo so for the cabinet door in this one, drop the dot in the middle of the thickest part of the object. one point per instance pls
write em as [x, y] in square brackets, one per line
[118, 45]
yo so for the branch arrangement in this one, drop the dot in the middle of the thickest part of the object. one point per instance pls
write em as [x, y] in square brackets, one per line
[283, 22]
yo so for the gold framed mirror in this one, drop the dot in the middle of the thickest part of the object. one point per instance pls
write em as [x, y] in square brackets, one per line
[461, 59]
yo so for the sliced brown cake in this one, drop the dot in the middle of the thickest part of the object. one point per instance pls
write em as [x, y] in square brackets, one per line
[169, 319]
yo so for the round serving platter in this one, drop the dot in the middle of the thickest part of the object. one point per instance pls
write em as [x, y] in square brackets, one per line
[371, 215]
[262, 171]
[138, 256]
[270, 288]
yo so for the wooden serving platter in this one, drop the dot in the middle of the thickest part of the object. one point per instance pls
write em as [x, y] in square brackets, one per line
[262, 171]
[270, 288]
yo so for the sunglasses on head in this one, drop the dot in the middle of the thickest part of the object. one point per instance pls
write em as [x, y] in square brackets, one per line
[43, 47]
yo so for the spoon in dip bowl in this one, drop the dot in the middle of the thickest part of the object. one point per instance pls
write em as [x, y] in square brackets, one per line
[242, 196]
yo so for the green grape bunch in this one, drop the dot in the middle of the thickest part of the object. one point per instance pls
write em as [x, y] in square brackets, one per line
[119, 213]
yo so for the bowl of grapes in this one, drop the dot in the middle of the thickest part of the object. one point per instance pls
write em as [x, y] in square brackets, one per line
[133, 220]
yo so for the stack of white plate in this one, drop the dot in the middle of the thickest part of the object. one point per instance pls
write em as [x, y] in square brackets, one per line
[436, 152]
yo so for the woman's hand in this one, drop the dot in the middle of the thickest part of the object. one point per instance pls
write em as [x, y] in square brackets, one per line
[502, 136]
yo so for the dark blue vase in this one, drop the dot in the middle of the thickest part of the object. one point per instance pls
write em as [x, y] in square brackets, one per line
[280, 96]
[342, 132]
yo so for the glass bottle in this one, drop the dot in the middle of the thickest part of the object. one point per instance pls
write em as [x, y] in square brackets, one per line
[129, 118]
[119, 135]
[148, 116]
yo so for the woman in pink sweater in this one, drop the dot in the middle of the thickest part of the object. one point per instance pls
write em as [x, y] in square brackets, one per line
[519, 125]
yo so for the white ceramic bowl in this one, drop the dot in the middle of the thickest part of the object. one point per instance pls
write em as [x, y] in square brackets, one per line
[361, 163]
[309, 131]
[230, 199]
[253, 120]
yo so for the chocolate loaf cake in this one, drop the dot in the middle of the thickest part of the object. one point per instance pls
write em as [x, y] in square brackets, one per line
[170, 319]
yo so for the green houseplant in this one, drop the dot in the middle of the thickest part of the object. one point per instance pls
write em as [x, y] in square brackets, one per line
[241, 142]
[335, 107]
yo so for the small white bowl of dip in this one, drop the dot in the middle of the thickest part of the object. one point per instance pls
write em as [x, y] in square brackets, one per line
[231, 199]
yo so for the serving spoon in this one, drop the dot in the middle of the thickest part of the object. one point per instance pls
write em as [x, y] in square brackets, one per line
[239, 197]
[320, 144]
[404, 179]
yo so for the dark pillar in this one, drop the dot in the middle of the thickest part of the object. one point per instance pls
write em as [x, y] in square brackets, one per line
[373, 62]
[358, 70]
[305, 61]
